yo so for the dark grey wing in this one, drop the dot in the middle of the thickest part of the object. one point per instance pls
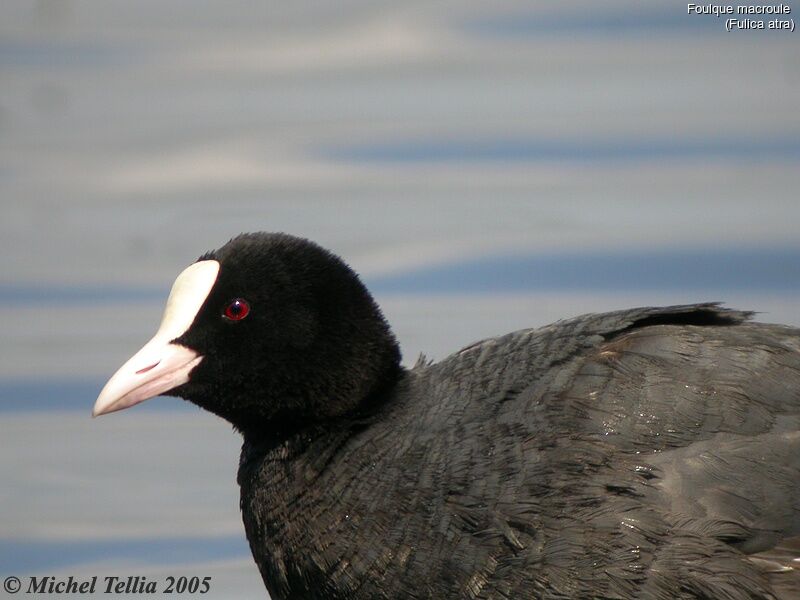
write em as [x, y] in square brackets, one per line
[709, 414]
[539, 445]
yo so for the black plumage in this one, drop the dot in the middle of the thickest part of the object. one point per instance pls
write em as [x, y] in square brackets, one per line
[651, 453]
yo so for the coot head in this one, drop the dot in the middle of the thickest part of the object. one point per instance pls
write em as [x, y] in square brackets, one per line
[270, 330]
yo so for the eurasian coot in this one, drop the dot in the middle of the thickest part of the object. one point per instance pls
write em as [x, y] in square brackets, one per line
[651, 453]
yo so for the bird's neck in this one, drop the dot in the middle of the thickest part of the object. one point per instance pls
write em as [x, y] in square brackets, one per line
[280, 480]
[290, 443]
[291, 487]
[287, 441]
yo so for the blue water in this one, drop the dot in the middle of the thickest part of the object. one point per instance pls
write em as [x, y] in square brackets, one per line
[22, 395]
[19, 557]
[696, 270]
[633, 150]
[63, 295]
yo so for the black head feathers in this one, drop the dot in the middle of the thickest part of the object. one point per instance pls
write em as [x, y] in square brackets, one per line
[314, 344]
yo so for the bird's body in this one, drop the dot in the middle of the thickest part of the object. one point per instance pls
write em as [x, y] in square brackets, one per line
[609, 456]
[645, 454]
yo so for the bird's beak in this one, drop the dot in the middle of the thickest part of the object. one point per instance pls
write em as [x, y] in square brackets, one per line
[157, 368]
[162, 364]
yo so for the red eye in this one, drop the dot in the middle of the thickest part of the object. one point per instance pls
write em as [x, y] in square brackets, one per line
[237, 310]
